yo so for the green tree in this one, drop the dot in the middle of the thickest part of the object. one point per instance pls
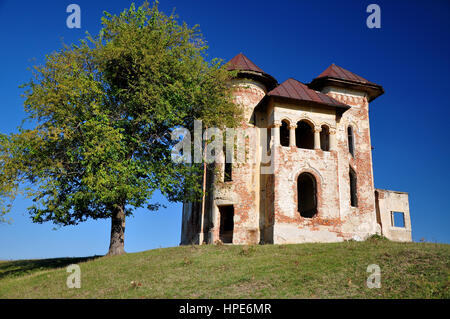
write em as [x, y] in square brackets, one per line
[101, 113]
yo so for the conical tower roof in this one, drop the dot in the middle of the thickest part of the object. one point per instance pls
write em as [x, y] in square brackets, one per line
[248, 69]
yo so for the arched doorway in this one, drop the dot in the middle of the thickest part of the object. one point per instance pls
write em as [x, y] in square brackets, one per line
[307, 195]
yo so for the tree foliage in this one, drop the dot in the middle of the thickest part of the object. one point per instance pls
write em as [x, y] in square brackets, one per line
[101, 113]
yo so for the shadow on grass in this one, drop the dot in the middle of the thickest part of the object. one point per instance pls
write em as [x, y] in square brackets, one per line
[22, 267]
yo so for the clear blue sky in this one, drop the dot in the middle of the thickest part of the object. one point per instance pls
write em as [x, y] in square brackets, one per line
[408, 56]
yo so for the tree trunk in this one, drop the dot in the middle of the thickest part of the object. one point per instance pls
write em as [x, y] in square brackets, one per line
[116, 246]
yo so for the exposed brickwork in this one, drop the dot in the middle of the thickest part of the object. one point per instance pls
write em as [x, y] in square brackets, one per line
[266, 205]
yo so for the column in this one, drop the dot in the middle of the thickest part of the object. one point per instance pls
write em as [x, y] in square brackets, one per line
[332, 139]
[276, 134]
[292, 135]
[317, 131]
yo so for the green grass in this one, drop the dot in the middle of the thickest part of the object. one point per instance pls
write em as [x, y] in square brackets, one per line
[337, 270]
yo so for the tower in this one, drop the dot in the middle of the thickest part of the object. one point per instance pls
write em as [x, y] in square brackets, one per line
[231, 212]
[354, 149]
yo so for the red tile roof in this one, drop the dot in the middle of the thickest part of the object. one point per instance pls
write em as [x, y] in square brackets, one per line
[296, 90]
[241, 62]
[250, 70]
[335, 71]
[336, 76]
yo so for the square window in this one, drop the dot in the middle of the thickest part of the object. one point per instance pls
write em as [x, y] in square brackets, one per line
[398, 219]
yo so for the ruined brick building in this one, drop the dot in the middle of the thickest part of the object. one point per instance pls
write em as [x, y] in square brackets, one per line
[320, 187]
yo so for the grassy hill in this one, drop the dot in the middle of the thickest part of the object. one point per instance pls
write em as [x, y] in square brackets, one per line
[337, 270]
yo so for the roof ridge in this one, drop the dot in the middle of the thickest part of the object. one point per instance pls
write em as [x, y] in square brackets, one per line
[351, 74]
[338, 76]
[245, 59]
[339, 72]
[242, 62]
[295, 89]
[303, 86]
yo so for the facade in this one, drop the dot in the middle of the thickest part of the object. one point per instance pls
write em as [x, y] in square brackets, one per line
[318, 183]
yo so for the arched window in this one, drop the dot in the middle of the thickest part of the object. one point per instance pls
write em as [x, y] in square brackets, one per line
[306, 195]
[304, 135]
[284, 133]
[353, 188]
[325, 138]
[351, 140]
